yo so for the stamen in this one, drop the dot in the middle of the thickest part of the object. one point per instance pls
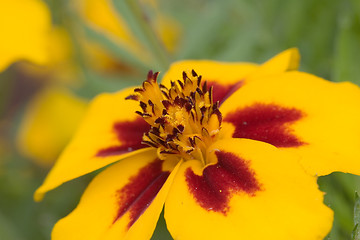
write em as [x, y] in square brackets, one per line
[183, 117]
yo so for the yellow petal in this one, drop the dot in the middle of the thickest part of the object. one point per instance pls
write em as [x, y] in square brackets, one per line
[24, 29]
[109, 132]
[122, 202]
[285, 61]
[44, 131]
[254, 191]
[222, 72]
[304, 114]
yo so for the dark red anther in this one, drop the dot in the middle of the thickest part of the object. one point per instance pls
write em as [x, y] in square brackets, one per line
[194, 73]
[181, 84]
[143, 106]
[184, 75]
[199, 81]
[181, 128]
[132, 97]
[204, 87]
[166, 103]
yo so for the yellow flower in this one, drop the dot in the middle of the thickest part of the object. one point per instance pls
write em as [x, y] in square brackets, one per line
[219, 149]
[60, 66]
[24, 29]
[50, 120]
[27, 34]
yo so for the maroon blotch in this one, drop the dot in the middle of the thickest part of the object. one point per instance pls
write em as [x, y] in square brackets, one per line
[221, 92]
[136, 196]
[231, 175]
[267, 123]
[130, 134]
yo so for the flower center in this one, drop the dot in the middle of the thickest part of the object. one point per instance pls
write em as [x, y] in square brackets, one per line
[183, 118]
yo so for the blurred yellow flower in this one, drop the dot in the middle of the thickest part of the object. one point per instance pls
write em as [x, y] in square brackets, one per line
[27, 33]
[48, 124]
[24, 29]
[60, 66]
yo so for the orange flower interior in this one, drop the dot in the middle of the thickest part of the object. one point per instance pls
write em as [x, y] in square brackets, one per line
[184, 119]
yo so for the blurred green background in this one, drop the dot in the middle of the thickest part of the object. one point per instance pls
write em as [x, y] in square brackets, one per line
[93, 53]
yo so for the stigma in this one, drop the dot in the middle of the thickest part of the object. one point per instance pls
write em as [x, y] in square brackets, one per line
[183, 117]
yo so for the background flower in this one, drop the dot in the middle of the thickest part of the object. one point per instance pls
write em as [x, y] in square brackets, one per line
[51, 117]
[20, 20]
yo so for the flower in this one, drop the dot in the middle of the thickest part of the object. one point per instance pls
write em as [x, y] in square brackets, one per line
[24, 19]
[47, 48]
[223, 150]
[43, 130]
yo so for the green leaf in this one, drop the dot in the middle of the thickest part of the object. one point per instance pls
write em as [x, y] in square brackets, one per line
[161, 231]
[339, 202]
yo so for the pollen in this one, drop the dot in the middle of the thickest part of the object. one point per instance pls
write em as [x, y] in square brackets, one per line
[184, 119]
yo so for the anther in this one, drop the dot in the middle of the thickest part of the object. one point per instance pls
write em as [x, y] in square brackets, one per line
[194, 73]
[181, 84]
[166, 104]
[199, 91]
[199, 80]
[204, 87]
[184, 75]
[143, 106]
[132, 97]
[138, 90]
[181, 128]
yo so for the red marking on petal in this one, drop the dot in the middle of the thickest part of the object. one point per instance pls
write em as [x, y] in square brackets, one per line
[136, 196]
[267, 123]
[221, 92]
[130, 135]
[219, 182]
